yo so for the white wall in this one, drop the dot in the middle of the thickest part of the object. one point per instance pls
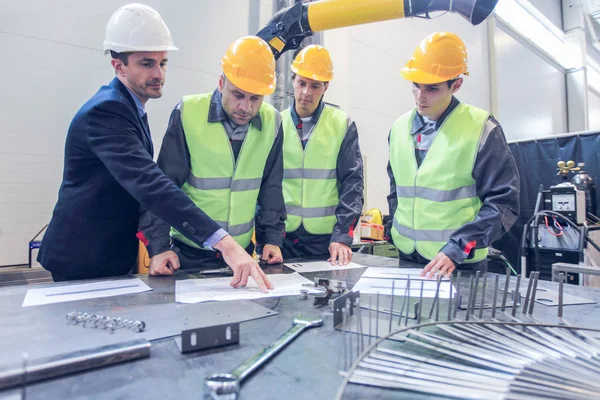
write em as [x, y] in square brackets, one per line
[594, 111]
[531, 91]
[551, 9]
[53, 63]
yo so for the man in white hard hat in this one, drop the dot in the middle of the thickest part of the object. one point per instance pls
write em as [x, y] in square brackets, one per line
[110, 176]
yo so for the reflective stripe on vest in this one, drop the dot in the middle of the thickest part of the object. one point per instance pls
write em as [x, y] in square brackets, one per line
[224, 189]
[309, 178]
[440, 196]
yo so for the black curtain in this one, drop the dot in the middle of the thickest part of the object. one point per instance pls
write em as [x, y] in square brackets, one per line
[536, 161]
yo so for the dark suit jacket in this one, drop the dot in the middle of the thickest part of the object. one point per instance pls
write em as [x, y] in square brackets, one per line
[109, 177]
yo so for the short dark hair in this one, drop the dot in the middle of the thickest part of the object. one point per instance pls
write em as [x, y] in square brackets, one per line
[124, 57]
[451, 81]
[294, 77]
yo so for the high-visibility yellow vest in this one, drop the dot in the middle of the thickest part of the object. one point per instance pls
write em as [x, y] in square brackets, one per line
[224, 189]
[309, 178]
[440, 196]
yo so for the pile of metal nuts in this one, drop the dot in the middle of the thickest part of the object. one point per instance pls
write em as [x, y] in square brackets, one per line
[104, 322]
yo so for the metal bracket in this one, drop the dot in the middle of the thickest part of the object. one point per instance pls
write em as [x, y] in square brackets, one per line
[339, 307]
[331, 287]
[209, 337]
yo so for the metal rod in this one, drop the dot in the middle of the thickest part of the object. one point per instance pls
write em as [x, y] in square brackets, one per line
[504, 296]
[437, 304]
[495, 296]
[64, 364]
[429, 373]
[499, 335]
[418, 385]
[476, 289]
[349, 330]
[516, 297]
[370, 321]
[470, 298]
[450, 298]
[512, 368]
[483, 341]
[345, 338]
[415, 361]
[403, 301]
[437, 294]
[420, 303]
[392, 305]
[433, 375]
[377, 317]
[533, 295]
[561, 278]
[361, 346]
[469, 350]
[458, 299]
[408, 300]
[482, 296]
[529, 285]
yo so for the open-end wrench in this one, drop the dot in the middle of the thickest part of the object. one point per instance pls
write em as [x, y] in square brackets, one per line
[227, 385]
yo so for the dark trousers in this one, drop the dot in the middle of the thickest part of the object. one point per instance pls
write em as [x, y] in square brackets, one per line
[59, 278]
[294, 248]
[193, 258]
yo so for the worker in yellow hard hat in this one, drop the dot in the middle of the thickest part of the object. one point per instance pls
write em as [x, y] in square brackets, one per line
[109, 172]
[323, 170]
[455, 186]
[224, 149]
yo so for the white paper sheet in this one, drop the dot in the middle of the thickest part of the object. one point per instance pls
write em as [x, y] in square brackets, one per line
[397, 273]
[218, 289]
[316, 266]
[384, 286]
[73, 292]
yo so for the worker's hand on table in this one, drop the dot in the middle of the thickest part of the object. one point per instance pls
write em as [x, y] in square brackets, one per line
[242, 264]
[165, 263]
[441, 264]
[339, 253]
[271, 254]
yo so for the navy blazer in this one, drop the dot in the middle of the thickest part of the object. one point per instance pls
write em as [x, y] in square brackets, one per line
[109, 178]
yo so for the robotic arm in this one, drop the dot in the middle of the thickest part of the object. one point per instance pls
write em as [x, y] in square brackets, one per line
[290, 26]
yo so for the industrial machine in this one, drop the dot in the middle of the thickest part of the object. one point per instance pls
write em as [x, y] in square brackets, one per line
[563, 225]
[286, 30]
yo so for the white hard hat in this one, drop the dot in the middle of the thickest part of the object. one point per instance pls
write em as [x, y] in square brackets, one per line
[137, 27]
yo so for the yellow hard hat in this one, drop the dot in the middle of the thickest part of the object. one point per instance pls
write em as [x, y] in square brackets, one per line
[440, 57]
[249, 64]
[314, 62]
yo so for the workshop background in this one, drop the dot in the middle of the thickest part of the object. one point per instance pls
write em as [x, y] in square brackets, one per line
[535, 64]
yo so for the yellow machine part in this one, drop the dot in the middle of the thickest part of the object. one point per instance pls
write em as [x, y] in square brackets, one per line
[373, 216]
[143, 262]
[332, 14]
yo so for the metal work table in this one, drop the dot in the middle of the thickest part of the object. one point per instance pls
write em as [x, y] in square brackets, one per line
[307, 369]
